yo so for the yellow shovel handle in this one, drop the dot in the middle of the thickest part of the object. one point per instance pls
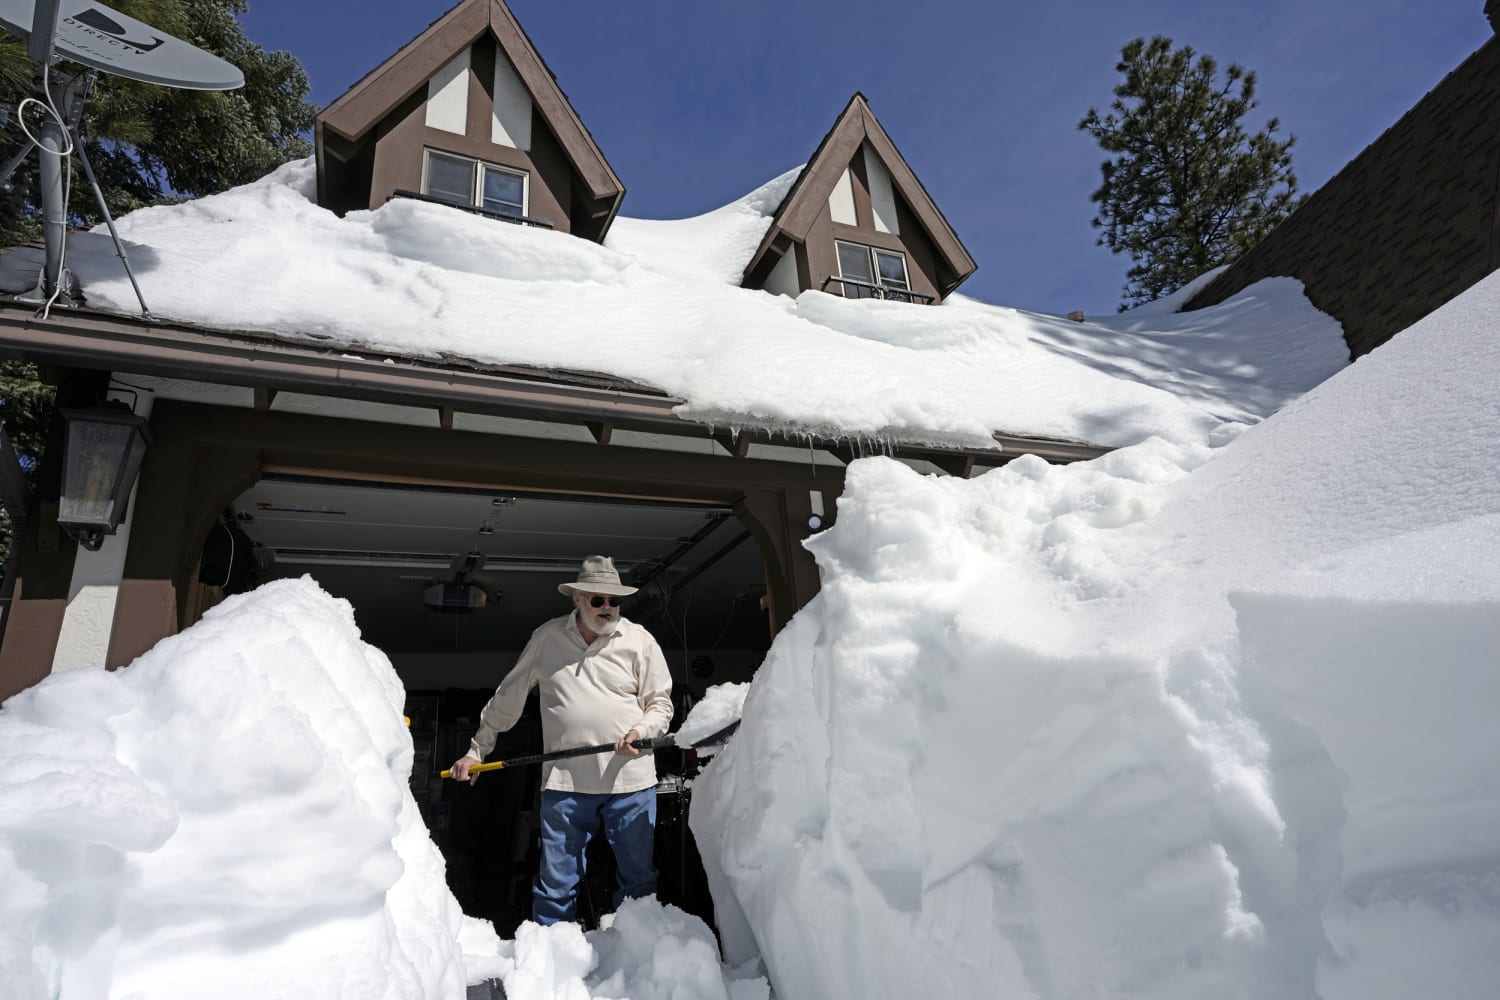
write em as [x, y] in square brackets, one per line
[477, 769]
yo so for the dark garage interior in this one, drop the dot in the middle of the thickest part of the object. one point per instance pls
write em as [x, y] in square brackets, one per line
[450, 583]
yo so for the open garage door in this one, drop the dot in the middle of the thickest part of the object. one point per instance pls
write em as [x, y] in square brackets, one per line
[450, 584]
[384, 549]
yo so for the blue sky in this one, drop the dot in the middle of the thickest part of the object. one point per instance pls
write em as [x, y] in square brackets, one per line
[697, 103]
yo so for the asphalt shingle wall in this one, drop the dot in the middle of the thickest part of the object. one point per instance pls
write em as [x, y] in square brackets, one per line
[1407, 225]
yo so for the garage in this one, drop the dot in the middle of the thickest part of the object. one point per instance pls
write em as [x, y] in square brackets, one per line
[450, 582]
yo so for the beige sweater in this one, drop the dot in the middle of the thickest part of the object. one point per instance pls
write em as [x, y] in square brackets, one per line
[591, 693]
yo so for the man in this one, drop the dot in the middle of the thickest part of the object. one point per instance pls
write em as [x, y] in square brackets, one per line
[602, 679]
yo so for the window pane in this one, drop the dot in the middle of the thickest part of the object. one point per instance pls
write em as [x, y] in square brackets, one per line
[854, 264]
[450, 177]
[504, 191]
[892, 269]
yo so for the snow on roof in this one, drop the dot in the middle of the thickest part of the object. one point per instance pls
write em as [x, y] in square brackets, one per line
[660, 304]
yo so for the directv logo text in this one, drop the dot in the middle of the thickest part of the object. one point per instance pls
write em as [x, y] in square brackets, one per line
[97, 24]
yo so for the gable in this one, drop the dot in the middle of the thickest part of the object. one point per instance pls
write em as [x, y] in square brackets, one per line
[825, 184]
[435, 67]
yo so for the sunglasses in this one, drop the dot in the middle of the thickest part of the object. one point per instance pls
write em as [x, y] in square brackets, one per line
[597, 601]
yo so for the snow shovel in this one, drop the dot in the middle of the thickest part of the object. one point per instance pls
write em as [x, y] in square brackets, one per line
[654, 743]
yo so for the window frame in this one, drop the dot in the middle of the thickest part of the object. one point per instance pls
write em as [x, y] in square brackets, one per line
[872, 254]
[477, 167]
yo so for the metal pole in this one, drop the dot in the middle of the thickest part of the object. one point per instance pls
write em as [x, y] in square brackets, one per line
[88, 171]
[53, 142]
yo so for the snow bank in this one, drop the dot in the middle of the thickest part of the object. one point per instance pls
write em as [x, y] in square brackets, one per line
[228, 817]
[660, 305]
[645, 951]
[1205, 717]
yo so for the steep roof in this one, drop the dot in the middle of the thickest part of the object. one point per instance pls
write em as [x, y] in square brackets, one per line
[381, 90]
[855, 126]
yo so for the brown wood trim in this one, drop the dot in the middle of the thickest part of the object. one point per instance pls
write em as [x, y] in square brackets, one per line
[145, 613]
[588, 159]
[933, 220]
[372, 98]
[602, 432]
[31, 634]
[264, 397]
[736, 443]
[812, 199]
[381, 91]
[804, 204]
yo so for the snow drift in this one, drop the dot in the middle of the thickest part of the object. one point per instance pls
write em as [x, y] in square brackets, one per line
[1204, 717]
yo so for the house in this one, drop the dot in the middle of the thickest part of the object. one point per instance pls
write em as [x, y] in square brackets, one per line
[1407, 225]
[407, 430]
[857, 222]
[467, 113]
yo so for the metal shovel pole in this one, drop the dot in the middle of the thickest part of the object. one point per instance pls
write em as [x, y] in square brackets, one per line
[654, 743]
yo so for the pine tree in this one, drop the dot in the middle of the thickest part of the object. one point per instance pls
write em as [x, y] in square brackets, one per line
[1188, 188]
[151, 144]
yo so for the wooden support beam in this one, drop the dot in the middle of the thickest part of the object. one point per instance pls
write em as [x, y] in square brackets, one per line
[958, 464]
[602, 431]
[445, 417]
[736, 444]
[264, 397]
[842, 452]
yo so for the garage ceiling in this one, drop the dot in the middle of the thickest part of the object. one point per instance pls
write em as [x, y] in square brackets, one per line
[381, 546]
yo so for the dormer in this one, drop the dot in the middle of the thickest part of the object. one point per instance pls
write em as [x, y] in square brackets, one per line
[858, 223]
[468, 114]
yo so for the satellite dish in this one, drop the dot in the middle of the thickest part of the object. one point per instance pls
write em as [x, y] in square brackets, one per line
[101, 40]
[96, 36]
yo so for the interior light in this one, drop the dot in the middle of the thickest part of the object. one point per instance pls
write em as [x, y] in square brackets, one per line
[814, 522]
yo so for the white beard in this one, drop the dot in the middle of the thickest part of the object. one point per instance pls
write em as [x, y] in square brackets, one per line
[600, 622]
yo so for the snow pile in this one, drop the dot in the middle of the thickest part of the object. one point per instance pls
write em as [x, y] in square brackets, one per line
[645, 951]
[1204, 717]
[721, 706]
[660, 305]
[228, 817]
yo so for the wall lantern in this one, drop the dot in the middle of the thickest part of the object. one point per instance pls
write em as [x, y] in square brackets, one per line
[101, 456]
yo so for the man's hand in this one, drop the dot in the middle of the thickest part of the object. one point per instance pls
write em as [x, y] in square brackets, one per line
[626, 744]
[460, 769]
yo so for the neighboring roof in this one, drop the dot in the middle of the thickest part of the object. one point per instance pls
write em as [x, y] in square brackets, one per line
[855, 126]
[381, 90]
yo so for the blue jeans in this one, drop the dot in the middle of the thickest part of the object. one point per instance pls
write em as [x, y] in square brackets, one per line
[569, 820]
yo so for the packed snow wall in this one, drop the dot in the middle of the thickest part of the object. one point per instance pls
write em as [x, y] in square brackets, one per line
[227, 817]
[1204, 717]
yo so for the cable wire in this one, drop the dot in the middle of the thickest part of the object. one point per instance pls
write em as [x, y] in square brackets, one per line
[50, 107]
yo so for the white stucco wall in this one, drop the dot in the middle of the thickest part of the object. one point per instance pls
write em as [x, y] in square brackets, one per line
[448, 96]
[882, 197]
[90, 614]
[510, 124]
[841, 201]
[783, 277]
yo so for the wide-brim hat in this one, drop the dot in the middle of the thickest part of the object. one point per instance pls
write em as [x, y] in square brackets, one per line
[597, 575]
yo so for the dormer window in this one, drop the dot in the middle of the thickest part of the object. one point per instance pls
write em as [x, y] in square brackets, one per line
[872, 273]
[470, 182]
